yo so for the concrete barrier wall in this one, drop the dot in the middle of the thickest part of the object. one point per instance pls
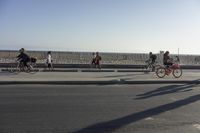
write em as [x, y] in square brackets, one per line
[85, 57]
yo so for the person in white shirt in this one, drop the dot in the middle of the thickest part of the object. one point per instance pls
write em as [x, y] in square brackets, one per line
[93, 59]
[49, 61]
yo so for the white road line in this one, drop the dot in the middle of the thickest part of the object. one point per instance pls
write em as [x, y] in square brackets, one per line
[149, 119]
[197, 126]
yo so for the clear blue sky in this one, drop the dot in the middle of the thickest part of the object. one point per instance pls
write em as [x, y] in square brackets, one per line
[101, 25]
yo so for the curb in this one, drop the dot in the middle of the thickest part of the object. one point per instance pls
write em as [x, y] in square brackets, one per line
[70, 70]
[61, 82]
[83, 70]
[134, 71]
[111, 82]
[162, 82]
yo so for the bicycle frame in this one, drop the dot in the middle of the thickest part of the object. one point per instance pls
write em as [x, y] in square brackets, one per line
[174, 69]
[20, 67]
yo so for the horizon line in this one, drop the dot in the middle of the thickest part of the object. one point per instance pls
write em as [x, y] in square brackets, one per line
[74, 51]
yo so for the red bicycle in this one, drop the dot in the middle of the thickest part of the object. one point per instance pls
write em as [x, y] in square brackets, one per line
[175, 69]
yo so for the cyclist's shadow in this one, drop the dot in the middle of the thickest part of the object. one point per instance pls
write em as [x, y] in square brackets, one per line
[166, 90]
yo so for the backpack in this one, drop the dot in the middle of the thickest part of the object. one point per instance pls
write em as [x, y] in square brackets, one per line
[154, 57]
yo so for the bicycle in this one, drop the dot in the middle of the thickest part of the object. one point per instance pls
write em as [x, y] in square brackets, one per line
[14, 67]
[19, 66]
[151, 66]
[175, 69]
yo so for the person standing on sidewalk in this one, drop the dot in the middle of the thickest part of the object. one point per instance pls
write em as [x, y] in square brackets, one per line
[93, 60]
[49, 61]
[97, 61]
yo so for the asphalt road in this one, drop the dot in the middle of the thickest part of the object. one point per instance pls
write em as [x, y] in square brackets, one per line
[100, 108]
[191, 75]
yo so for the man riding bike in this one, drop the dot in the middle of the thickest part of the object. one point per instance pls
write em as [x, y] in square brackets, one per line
[152, 58]
[151, 61]
[23, 58]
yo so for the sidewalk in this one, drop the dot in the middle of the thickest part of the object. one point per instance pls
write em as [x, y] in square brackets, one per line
[81, 70]
[189, 76]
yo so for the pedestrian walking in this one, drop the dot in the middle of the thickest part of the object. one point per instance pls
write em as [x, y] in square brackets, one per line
[97, 60]
[93, 59]
[49, 61]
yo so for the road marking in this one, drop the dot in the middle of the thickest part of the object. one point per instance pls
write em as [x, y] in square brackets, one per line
[197, 126]
[149, 119]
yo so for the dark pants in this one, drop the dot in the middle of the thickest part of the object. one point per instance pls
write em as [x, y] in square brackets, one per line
[25, 63]
[168, 64]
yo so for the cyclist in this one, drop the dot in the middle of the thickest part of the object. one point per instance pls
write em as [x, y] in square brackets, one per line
[151, 61]
[170, 66]
[152, 58]
[167, 61]
[23, 58]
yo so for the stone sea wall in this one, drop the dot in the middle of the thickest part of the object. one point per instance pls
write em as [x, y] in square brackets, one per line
[85, 57]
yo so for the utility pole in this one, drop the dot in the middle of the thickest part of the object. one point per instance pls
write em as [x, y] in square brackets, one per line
[178, 52]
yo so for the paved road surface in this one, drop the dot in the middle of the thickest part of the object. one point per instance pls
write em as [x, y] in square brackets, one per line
[93, 76]
[100, 108]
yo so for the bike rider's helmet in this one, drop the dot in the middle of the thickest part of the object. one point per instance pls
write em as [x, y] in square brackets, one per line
[22, 50]
[49, 52]
[150, 53]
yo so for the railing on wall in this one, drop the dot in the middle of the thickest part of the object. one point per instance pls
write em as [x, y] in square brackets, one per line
[85, 57]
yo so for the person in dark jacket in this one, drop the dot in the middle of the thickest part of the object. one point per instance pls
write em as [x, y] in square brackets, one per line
[152, 58]
[23, 58]
[166, 59]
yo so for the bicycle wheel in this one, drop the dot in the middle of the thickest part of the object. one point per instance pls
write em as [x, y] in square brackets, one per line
[146, 66]
[177, 73]
[160, 72]
[31, 70]
[12, 68]
[157, 66]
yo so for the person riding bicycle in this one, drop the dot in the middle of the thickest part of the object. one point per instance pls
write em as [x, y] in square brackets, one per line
[152, 58]
[167, 61]
[151, 61]
[23, 58]
[170, 66]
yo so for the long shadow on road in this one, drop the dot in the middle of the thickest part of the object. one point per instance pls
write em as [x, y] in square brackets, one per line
[115, 124]
[122, 75]
[166, 90]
